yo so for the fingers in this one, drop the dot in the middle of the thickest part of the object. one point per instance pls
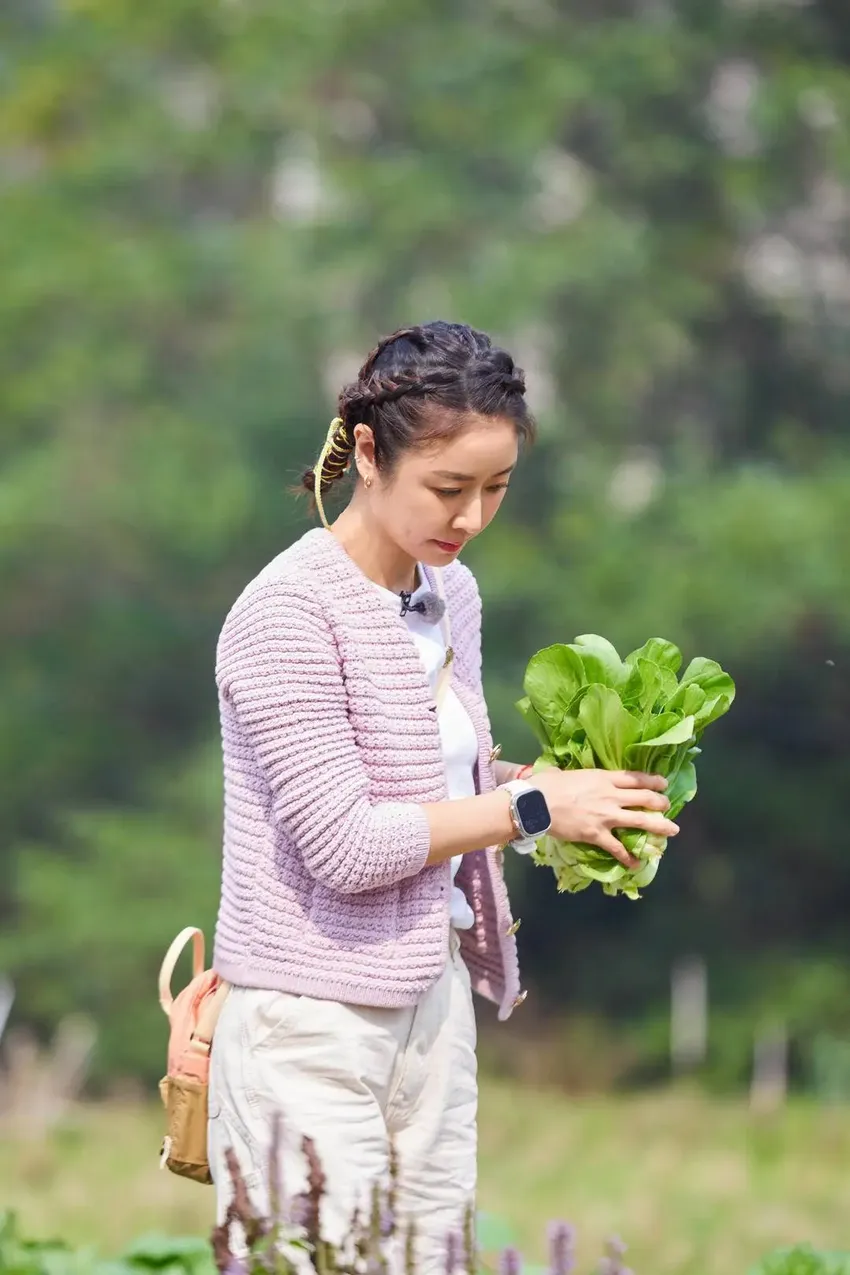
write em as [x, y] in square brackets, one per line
[646, 821]
[643, 797]
[607, 841]
[637, 779]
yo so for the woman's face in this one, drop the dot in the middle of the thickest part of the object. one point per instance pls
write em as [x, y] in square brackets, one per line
[437, 499]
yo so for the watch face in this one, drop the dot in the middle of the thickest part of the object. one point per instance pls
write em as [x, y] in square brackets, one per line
[533, 812]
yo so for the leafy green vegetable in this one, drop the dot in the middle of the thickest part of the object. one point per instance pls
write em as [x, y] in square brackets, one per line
[589, 708]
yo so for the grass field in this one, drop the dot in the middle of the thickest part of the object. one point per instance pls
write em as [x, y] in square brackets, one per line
[694, 1186]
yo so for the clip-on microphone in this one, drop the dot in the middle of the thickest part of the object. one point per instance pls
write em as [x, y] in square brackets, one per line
[430, 606]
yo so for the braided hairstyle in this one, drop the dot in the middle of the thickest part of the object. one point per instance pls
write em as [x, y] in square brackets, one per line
[415, 387]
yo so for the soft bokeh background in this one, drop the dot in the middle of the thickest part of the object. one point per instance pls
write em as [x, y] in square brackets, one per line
[208, 212]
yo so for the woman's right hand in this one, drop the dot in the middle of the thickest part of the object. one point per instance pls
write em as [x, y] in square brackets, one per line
[586, 805]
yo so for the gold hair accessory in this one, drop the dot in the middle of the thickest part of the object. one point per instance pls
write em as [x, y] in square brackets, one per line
[336, 454]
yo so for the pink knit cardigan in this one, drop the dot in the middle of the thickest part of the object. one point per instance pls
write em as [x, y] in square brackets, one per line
[331, 746]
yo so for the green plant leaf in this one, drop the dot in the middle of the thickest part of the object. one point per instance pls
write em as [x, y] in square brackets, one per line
[534, 720]
[711, 710]
[601, 660]
[608, 875]
[658, 754]
[710, 676]
[682, 788]
[688, 699]
[657, 651]
[609, 726]
[552, 680]
[679, 732]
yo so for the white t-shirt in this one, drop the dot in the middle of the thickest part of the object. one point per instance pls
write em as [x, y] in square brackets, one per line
[457, 733]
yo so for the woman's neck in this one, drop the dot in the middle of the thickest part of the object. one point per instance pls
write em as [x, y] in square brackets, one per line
[381, 561]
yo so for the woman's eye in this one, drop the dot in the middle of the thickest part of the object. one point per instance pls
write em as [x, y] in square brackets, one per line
[457, 491]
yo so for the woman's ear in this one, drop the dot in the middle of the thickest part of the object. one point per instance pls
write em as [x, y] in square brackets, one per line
[364, 450]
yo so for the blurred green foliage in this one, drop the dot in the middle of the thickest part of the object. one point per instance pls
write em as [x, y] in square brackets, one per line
[208, 213]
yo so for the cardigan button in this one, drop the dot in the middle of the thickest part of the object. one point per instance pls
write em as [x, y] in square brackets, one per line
[511, 931]
[519, 1000]
[495, 753]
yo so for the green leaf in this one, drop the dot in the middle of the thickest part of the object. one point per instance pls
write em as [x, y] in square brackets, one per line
[658, 685]
[708, 675]
[688, 699]
[609, 874]
[711, 710]
[658, 755]
[682, 788]
[658, 726]
[581, 753]
[634, 839]
[601, 660]
[657, 651]
[679, 732]
[570, 727]
[646, 874]
[534, 720]
[609, 726]
[552, 680]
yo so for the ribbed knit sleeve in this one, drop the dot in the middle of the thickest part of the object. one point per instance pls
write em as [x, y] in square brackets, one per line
[279, 666]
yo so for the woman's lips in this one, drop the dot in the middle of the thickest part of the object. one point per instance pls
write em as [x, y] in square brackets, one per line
[447, 545]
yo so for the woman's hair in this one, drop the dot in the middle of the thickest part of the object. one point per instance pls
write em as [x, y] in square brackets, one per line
[415, 387]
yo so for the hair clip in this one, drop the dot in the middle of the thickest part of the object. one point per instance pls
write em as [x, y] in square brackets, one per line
[342, 457]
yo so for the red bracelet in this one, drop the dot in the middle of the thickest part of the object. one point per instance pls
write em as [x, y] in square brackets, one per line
[524, 771]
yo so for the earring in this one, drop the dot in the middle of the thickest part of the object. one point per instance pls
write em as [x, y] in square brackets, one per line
[367, 482]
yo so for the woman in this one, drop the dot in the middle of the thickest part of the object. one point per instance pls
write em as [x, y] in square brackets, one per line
[358, 906]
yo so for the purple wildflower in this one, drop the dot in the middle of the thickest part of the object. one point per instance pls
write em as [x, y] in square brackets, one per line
[454, 1252]
[510, 1262]
[561, 1248]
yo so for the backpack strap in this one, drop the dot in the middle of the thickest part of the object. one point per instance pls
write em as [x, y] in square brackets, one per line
[202, 1036]
[171, 958]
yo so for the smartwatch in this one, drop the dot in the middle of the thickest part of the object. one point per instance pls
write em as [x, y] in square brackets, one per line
[530, 815]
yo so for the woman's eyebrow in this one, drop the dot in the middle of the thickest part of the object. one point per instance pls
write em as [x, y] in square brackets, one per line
[470, 478]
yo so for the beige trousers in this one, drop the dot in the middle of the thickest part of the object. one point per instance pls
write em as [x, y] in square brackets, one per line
[353, 1078]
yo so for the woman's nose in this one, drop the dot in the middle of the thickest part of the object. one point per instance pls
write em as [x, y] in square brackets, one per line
[470, 519]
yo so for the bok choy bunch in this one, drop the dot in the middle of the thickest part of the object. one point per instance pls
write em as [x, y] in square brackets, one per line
[591, 709]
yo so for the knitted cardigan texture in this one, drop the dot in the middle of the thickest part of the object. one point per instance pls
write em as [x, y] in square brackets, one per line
[331, 746]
